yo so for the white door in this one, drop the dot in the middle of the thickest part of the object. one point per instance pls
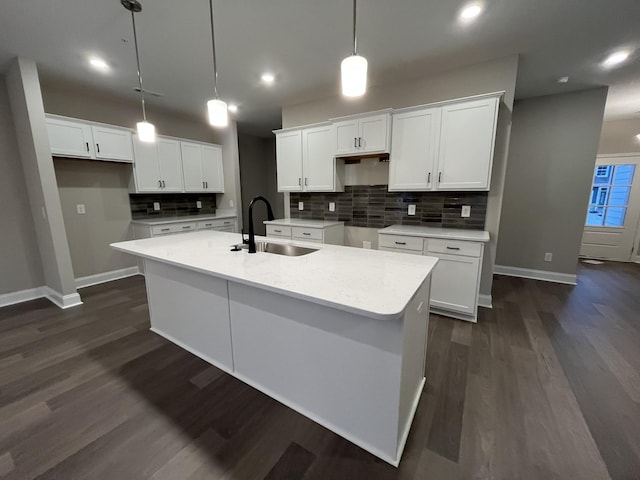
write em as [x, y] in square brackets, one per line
[69, 139]
[346, 137]
[146, 167]
[289, 161]
[373, 134]
[112, 143]
[318, 161]
[467, 137]
[454, 283]
[192, 167]
[614, 208]
[170, 165]
[414, 151]
[212, 171]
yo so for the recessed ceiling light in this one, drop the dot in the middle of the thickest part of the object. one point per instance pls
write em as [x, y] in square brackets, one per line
[470, 12]
[563, 80]
[268, 78]
[99, 64]
[616, 58]
[232, 108]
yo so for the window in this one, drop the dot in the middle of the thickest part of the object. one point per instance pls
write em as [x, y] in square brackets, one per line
[610, 195]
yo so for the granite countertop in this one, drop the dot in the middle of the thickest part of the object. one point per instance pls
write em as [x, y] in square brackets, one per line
[372, 283]
[183, 218]
[436, 232]
[300, 222]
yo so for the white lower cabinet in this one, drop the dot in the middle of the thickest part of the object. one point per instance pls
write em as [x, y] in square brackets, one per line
[313, 232]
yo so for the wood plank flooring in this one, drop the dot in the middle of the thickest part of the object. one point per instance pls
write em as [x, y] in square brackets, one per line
[545, 386]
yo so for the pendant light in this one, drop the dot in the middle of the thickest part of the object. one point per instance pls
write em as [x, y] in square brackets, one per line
[354, 68]
[146, 130]
[218, 115]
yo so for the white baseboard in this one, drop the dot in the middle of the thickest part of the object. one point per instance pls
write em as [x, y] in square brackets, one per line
[485, 301]
[98, 278]
[12, 298]
[543, 275]
[62, 301]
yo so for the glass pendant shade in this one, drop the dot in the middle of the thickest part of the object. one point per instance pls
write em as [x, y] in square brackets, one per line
[354, 76]
[218, 116]
[146, 132]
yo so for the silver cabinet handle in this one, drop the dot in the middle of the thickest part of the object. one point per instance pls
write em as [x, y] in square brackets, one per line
[160, 183]
[165, 229]
[355, 142]
[206, 184]
[203, 185]
[186, 227]
[300, 181]
[164, 185]
[429, 178]
[306, 181]
[87, 144]
[401, 243]
[453, 248]
[439, 177]
[359, 142]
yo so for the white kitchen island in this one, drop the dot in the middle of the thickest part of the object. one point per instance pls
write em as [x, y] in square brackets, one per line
[339, 335]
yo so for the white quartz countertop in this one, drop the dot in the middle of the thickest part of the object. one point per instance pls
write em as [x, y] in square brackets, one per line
[183, 218]
[367, 282]
[434, 232]
[300, 222]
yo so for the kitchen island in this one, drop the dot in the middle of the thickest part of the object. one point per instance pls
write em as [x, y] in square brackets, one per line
[339, 335]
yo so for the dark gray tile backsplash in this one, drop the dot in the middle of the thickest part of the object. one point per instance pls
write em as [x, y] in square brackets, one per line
[375, 207]
[178, 204]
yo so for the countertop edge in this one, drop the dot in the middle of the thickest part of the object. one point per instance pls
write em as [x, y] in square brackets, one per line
[287, 222]
[462, 237]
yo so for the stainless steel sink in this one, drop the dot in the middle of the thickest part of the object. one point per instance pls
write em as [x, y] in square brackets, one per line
[282, 249]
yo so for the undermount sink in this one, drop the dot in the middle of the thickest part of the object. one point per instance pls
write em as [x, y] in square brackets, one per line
[282, 249]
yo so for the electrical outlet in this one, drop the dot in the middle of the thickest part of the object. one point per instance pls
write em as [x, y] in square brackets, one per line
[332, 206]
[230, 203]
[300, 205]
[156, 205]
[412, 210]
[366, 244]
[80, 209]
[548, 257]
[198, 204]
[466, 211]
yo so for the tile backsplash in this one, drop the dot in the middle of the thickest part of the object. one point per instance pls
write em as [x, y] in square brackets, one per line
[171, 204]
[375, 207]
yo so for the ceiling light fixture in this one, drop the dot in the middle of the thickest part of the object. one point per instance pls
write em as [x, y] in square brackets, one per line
[354, 67]
[470, 12]
[146, 130]
[99, 64]
[268, 78]
[232, 108]
[218, 115]
[616, 58]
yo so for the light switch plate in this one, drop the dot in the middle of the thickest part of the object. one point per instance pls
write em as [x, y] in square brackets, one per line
[300, 205]
[548, 257]
[156, 205]
[332, 206]
[412, 210]
[80, 209]
[198, 204]
[466, 211]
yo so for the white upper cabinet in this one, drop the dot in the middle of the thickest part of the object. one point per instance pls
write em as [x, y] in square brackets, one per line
[318, 161]
[192, 167]
[202, 167]
[212, 171]
[363, 135]
[112, 143]
[68, 138]
[170, 162]
[414, 152]
[158, 166]
[289, 160]
[467, 138]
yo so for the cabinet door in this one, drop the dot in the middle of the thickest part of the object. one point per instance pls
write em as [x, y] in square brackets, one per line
[112, 143]
[170, 165]
[454, 285]
[318, 161]
[467, 138]
[373, 134]
[69, 139]
[346, 137]
[289, 161]
[146, 167]
[192, 167]
[212, 168]
[414, 151]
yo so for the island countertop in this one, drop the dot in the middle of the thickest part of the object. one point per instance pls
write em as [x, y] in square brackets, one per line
[367, 282]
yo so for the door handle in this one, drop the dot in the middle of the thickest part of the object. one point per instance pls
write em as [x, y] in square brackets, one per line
[87, 144]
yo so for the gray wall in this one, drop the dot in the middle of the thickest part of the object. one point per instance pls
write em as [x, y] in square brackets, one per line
[619, 136]
[485, 77]
[19, 256]
[23, 86]
[554, 142]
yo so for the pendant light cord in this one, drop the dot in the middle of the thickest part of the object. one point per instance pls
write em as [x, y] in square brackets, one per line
[135, 41]
[213, 48]
[355, 38]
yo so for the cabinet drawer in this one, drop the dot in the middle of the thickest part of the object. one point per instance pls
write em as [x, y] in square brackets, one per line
[401, 242]
[454, 247]
[222, 223]
[278, 231]
[398, 250]
[173, 228]
[306, 233]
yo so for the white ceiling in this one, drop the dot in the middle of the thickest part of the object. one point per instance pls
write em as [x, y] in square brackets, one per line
[303, 42]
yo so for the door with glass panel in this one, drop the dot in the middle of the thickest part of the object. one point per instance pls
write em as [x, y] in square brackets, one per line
[614, 209]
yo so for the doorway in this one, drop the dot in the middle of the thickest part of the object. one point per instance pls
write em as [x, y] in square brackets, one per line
[613, 211]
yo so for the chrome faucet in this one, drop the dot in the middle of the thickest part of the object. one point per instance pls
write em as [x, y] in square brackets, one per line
[252, 235]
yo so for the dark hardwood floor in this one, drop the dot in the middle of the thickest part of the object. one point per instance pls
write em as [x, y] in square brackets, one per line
[545, 386]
